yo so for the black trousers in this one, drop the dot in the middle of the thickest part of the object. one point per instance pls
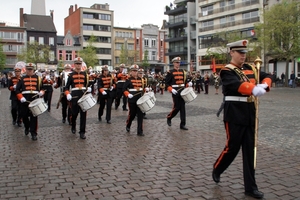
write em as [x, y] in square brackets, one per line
[75, 111]
[105, 101]
[239, 136]
[178, 105]
[30, 121]
[119, 95]
[134, 110]
[48, 98]
[66, 110]
[16, 111]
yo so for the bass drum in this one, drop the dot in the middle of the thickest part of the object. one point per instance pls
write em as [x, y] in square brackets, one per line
[86, 102]
[145, 103]
[188, 95]
[37, 107]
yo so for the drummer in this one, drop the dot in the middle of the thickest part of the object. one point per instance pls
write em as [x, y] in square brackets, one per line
[27, 90]
[106, 85]
[133, 89]
[79, 81]
[145, 84]
[176, 81]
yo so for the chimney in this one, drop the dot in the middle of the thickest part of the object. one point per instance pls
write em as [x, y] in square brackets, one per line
[51, 14]
[70, 10]
[21, 17]
[75, 6]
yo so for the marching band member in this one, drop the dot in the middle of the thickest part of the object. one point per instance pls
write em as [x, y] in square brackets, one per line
[144, 84]
[176, 81]
[28, 89]
[47, 86]
[78, 80]
[61, 81]
[239, 87]
[122, 77]
[15, 103]
[106, 84]
[92, 78]
[133, 90]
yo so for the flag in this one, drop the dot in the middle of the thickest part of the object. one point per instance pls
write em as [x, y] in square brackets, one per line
[214, 65]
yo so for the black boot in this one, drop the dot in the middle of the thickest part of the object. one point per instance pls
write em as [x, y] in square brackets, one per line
[33, 136]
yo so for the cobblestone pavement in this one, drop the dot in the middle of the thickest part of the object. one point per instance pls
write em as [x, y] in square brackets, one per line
[166, 164]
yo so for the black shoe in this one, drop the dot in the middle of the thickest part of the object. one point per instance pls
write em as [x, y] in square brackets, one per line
[82, 136]
[26, 131]
[108, 121]
[64, 121]
[255, 194]
[125, 109]
[14, 123]
[19, 124]
[215, 176]
[140, 134]
[116, 107]
[183, 128]
[169, 122]
[73, 130]
[33, 137]
[99, 119]
[127, 129]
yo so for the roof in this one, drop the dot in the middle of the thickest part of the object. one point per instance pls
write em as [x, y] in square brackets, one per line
[39, 23]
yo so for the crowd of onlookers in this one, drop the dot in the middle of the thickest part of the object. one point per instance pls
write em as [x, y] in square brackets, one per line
[3, 80]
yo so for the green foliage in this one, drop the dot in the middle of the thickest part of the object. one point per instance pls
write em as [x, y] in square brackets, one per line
[127, 57]
[89, 53]
[2, 57]
[35, 53]
[145, 62]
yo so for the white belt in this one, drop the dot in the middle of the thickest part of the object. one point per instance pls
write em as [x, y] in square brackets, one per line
[46, 84]
[132, 90]
[30, 92]
[237, 98]
[181, 85]
[121, 81]
[105, 88]
[83, 88]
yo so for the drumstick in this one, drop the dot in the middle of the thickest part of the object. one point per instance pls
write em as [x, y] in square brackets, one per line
[137, 93]
[37, 94]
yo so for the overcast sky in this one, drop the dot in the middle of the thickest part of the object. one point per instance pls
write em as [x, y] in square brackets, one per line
[127, 13]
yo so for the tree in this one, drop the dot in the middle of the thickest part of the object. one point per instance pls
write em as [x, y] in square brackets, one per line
[145, 62]
[2, 57]
[35, 53]
[89, 53]
[128, 57]
[279, 33]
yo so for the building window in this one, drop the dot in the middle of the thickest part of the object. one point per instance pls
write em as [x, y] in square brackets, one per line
[130, 46]
[51, 41]
[104, 28]
[104, 51]
[88, 16]
[117, 60]
[60, 55]
[146, 42]
[105, 62]
[68, 42]
[105, 39]
[119, 46]
[31, 39]
[20, 37]
[153, 56]
[208, 10]
[104, 17]
[69, 55]
[153, 42]
[87, 27]
[161, 43]
[137, 41]
[249, 15]
[41, 40]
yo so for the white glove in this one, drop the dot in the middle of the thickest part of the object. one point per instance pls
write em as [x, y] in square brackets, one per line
[15, 86]
[130, 96]
[54, 84]
[111, 88]
[23, 100]
[69, 97]
[41, 93]
[190, 84]
[263, 85]
[123, 72]
[104, 93]
[258, 91]
[174, 91]
[89, 89]
[147, 89]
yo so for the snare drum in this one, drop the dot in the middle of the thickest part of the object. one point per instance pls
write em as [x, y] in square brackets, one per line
[188, 95]
[152, 95]
[145, 103]
[86, 102]
[37, 106]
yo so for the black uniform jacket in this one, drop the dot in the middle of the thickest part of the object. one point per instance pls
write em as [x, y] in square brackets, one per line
[238, 112]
